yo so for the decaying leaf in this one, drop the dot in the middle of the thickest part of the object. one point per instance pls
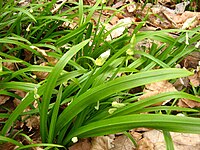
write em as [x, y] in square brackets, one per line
[3, 99]
[24, 2]
[156, 88]
[191, 61]
[137, 136]
[33, 122]
[131, 8]
[83, 144]
[182, 141]
[9, 65]
[28, 55]
[8, 146]
[114, 20]
[43, 52]
[41, 75]
[181, 83]
[122, 25]
[145, 144]
[21, 94]
[102, 143]
[122, 143]
[195, 79]
[188, 103]
[170, 18]
[118, 4]
[180, 7]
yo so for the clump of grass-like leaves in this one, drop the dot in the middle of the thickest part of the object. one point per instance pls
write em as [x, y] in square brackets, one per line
[88, 87]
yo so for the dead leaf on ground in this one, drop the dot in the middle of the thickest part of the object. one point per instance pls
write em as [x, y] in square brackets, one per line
[33, 122]
[181, 83]
[182, 141]
[157, 88]
[169, 18]
[21, 94]
[8, 146]
[41, 75]
[11, 66]
[195, 79]
[191, 61]
[83, 144]
[145, 144]
[136, 135]
[43, 52]
[102, 143]
[131, 8]
[122, 143]
[188, 103]
[114, 20]
[3, 99]
[119, 27]
[118, 4]
[28, 55]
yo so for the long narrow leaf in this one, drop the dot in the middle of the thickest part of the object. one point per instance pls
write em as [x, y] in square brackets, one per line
[6, 139]
[51, 83]
[168, 140]
[127, 122]
[114, 86]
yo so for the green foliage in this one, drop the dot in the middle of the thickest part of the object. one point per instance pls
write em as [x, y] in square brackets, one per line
[77, 81]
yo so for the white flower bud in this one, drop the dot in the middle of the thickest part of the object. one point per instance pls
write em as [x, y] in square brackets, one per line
[74, 139]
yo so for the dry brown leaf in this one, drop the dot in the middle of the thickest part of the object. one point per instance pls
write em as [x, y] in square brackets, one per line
[38, 148]
[89, 2]
[122, 143]
[118, 4]
[141, 129]
[101, 143]
[9, 65]
[8, 146]
[186, 15]
[83, 144]
[114, 20]
[24, 2]
[191, 61]
[168, 18]
[145, 144]
[51, 60]
[3, 99]
[122, 23]
[131, 8]
[195, 79]
[41, 75]
[28, 55]
[188, 103]
[21, 94]
[182, 141]
[136, 135]
[181, 83]
[157, 88]
[33, 122]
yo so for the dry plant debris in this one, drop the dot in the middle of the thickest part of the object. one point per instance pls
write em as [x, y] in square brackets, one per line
[157, 88]
[169, 17]
[122, 142]
[182, 141]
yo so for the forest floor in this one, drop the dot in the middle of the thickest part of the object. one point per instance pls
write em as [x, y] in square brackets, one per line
[162, 15]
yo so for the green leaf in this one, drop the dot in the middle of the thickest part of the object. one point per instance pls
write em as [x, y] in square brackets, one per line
[6, 139]
[51, 83]
[127, 122]
[25, 12]
[168, 140]
[104, 90]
